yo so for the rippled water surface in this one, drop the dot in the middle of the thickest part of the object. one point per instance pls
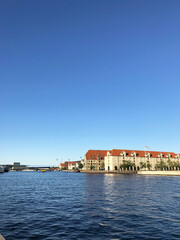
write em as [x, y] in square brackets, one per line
[58, 205]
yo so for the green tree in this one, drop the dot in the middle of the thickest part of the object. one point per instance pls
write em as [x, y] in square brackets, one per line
[127, 164]
[177, 164]
[142, 165]
[102, 165]
[170, 164]
[80, 166]
[160, 165]
[149, 166]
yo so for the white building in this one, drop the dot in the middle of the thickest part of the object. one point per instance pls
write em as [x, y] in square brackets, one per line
[119, 159]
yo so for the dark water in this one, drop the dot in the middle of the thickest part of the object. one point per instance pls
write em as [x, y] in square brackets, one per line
[57, 205]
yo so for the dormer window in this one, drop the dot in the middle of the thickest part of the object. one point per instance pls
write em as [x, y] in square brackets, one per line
[108, 154]
[160, 155]
[147, 155]
[123, 154]
[168, 155]
[133, 154]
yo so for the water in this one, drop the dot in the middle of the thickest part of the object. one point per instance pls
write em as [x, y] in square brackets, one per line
[58, 205]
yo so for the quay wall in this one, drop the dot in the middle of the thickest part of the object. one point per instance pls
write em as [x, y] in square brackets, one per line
[110, 172]
[98, 172]
[165, 173]
[142, 172]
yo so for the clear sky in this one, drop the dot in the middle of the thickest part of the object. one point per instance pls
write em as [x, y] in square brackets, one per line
[88, 74]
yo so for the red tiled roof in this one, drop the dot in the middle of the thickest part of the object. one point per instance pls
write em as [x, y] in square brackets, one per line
[74, 162]
[66, 165]
[140, 153]
[93, 154]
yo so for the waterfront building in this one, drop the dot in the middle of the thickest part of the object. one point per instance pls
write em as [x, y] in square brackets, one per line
[14, 166]
[121, 159]
[71, 165]
[94, 159]
[61, 166]
[1, 169]
[117, 159]
[17, 166]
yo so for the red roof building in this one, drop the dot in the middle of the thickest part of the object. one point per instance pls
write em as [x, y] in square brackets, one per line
[140, 153]
[94, 159]
[112, 159]
[70, 165]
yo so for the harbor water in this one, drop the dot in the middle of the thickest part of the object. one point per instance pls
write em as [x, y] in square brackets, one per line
[59, 205]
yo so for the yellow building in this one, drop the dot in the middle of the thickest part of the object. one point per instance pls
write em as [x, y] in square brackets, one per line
[120, 159]
[94, 160]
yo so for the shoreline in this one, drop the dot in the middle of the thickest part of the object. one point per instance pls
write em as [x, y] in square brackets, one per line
[127, 172]
[153, 172]
[160, 173]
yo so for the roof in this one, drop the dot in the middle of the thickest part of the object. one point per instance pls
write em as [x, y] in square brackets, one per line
[74, 162]
[140, 153]
[94, 154]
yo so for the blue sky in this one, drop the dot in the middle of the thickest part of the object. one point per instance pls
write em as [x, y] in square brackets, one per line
[85, 74]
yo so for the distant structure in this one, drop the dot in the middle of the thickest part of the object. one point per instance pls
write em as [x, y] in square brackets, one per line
[14, 166]
[17, 166]
[67, 165]
[121, 159]
[61, 166]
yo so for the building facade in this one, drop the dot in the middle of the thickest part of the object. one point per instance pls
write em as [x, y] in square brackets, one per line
[61, 166]
[73, 165]
[17, 166]
[94, 160]
[121, 159]
[67, 165]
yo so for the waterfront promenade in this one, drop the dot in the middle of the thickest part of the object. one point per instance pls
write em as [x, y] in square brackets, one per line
[142, 172]
[162, 173]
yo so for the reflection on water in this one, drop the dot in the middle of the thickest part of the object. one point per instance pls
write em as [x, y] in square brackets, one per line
[57, 205]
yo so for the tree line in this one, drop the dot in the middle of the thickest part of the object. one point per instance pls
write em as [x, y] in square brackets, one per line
[158, 166]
